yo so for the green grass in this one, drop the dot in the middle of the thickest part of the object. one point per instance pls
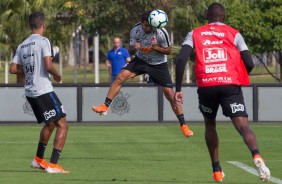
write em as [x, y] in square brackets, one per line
[68, 74]
[136, 154]
[258, 75]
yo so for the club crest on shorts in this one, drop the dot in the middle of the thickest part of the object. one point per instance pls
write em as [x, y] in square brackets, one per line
[237, 107]
[120, 104]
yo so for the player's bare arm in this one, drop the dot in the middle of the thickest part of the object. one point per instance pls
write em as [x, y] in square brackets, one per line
[161, 50]
[51, 69]
[133, 48]
[16, 69]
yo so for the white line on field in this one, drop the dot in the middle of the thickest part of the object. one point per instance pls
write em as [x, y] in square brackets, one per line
[253, 171]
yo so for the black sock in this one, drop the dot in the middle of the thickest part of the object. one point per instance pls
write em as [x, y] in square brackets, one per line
[108, 102]
[40, 150]
[181, 119]
[216, 167]
[55, 156]
[255, 152]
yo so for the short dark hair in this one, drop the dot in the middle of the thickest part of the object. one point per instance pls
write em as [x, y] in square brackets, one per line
[145, 15]
[36, 19]
[216, 10]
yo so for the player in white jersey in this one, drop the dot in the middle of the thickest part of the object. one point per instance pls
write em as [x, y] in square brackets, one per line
[151, 46]
[33, 59]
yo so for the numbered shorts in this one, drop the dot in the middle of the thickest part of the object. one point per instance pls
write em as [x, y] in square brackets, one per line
[158, 73]
[230, 97]
[47, 108]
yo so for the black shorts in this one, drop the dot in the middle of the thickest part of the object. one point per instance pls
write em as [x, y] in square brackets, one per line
[230, 97]
[158, 73]
[47, 107]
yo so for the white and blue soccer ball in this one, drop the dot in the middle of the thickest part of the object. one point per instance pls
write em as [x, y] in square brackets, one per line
[158, 18]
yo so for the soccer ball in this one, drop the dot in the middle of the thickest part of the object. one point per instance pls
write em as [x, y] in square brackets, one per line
[157, 18]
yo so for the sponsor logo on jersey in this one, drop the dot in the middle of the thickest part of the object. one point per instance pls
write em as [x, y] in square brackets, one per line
[209, 42]
[29, 68]
[214, 55]
[27, 55]
[217, 79]
[216, 68]
[27, 45]
[237, 107]
[212, 33]
[50, 114]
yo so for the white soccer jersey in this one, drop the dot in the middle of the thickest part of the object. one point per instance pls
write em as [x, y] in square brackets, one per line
[137, 35]
[29, 55]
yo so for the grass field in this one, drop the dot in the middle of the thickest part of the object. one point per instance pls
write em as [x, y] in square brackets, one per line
[143, 153]
[258, 75]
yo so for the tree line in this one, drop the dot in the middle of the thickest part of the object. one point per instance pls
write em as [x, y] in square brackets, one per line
[259, 21]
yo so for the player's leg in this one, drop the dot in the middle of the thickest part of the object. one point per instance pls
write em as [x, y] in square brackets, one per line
[129, 71]
[233, 106]
[212, 143]
[53, 113]
[46, 131]
[113, 91]
[242, 126]
[160, 75]
[59, 142]
[123, 76]
[177, 109]
[208, 105]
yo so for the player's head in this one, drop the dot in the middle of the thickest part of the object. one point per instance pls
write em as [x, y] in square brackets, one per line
[144, 21]
[216, 13]
[117, 42]
[36, 20]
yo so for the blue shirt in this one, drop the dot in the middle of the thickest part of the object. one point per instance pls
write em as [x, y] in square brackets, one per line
[117, 59]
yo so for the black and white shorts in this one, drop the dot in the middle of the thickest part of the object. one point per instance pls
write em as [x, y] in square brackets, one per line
[47, 107]
[158, 73]
[230, 97]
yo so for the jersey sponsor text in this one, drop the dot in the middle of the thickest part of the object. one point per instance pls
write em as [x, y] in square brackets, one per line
[214, 55]
[209, 42]
[27, 45]
[216, 68]
[212, 33]
[217, 79]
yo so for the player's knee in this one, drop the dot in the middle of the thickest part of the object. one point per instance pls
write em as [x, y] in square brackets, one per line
[65, 126]
[119, 79]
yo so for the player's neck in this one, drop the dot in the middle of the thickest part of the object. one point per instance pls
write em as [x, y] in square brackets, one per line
[38, 31]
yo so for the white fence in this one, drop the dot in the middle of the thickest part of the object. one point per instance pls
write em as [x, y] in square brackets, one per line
[136, 103]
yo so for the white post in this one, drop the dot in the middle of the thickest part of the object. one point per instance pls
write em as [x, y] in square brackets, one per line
[6, 71]
[171, 38]
[96, 55]
[188, 73]
[172, 64]
[76, 49]
[61, 60]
